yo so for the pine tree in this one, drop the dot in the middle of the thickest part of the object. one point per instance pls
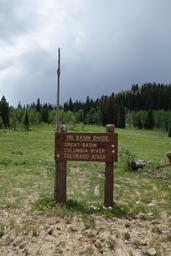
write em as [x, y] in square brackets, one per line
[70, 105]
[121, 117]
[139, 123]
[45, 114]
[149, 122]
[26, 121]
[4, 111]
[38, 105]
[13, 121]
[19, 105]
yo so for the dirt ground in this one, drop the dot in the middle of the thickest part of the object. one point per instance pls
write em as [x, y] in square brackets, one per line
[57, 236]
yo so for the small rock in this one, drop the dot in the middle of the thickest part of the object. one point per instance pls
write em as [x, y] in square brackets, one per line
[72, 229]
[169, 235]
[127, 225]
[88, 250]
[121, 252]
[127, 236]
[152, 204]
[98, 244]
[26, 252]
[96, 191]
[75, 170]
[151, 252]
[93, 207]
[17, 241]
[139, 242]
[83, 250]
[88, 233]
[156, 222]
[141, 216]
[22, 245]
[53, 220]
[9, 239]
[57, 243]
[50, 238]
[111, 243]
[50, 231]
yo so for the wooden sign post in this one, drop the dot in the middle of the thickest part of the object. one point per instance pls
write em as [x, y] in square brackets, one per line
[60, 176]
[79, 146]
[109, 166]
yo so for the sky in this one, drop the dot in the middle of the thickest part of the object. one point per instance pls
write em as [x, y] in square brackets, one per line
[106, 46]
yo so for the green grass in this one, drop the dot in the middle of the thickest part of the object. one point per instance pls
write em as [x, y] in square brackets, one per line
[27, 175]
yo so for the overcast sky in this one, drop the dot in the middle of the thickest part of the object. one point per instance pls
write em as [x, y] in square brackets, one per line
[106, 46]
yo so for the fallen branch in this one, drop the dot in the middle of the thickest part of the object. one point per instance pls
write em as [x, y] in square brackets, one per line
[160, 166]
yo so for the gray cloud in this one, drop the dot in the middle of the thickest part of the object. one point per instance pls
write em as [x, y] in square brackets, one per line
[17, 18]
[106, 46]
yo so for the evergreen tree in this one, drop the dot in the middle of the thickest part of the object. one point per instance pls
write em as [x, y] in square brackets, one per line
[19, 105]
[80, 116]
[45, 114]
[13, 120]
[38, 105]
[66, 108]
[26, 121]
[4, 112]
[139, 123]
[121, 117]
[149, 121]
[70, 107]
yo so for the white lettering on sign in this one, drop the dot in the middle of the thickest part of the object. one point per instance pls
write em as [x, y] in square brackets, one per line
[97, 151]
[101, 138]
[76, 156]
[75, 150]
[86, 146]
[87, 138]
[98, 157]
[89, 145]
[72, 144]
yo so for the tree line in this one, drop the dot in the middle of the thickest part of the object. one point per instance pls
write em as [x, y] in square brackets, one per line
[145, 106]
[28, 116]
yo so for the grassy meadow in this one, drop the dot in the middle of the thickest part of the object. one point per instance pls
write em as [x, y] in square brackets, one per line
[27, 174]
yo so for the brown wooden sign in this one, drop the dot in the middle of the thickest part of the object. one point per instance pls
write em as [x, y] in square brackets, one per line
[78, 146]
[101, 147]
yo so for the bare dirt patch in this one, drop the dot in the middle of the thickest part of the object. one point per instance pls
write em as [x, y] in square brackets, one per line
[40, 234]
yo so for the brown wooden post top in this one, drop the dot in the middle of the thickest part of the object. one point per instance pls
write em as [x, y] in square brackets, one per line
[63, 128]
[110, 128]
